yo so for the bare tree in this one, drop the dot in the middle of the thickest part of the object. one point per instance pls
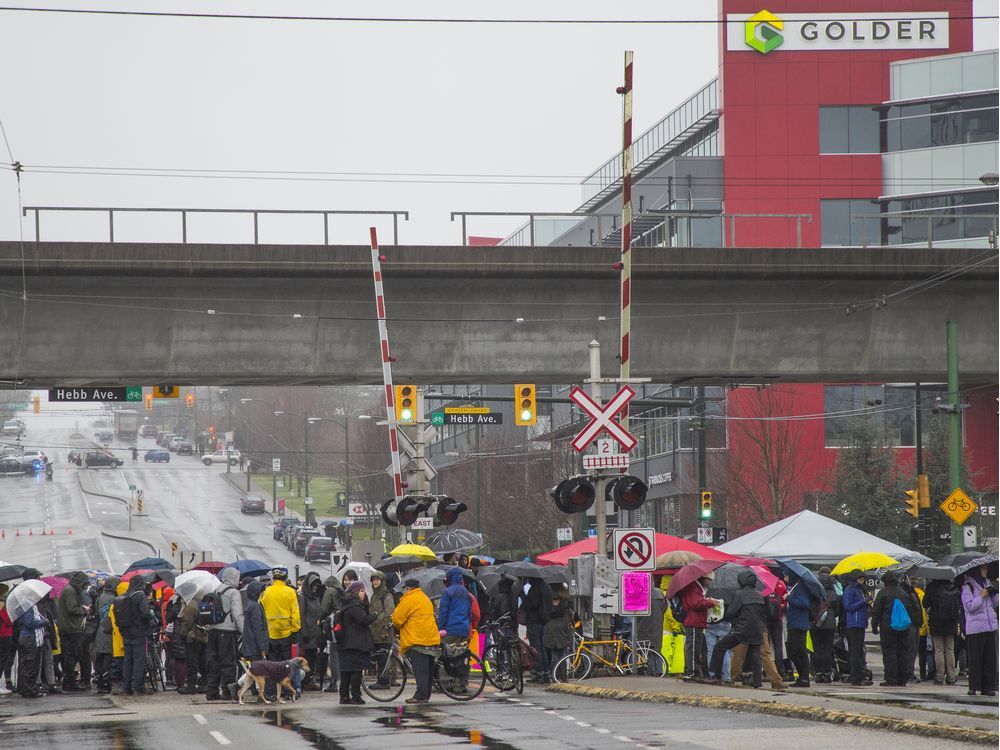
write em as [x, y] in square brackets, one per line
[766, 463]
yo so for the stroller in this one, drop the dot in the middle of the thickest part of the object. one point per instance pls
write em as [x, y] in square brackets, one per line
[842, 660]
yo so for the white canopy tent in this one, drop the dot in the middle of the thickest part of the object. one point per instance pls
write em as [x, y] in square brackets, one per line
[813, 539]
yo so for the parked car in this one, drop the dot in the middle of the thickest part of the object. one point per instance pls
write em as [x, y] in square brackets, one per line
[157, 455]
[164, 440]
[219, 457]
[184, 448]
[174, 442]
[282, 524]
[101, 458]
[13, 427]
[159, 436]
[319, 548]
[290, 533]
[15, 465]
[252, 504]
[148, 431]
[302, 539]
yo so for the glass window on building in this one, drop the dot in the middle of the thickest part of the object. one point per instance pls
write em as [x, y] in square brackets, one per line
[849, 222]
[953, 121]
[890, 407]
[949, 216]
[848, 130]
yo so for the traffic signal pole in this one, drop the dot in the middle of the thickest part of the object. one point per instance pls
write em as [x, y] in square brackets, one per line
[600, 484]
[954, 428]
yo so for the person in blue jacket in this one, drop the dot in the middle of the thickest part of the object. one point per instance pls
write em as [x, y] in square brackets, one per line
[798, 621]
[857, 601]
[454, 620]
[29, 644]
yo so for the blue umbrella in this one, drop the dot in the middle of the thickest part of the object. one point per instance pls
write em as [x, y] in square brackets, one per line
[150, 563]
[249, 568]
[808, 578]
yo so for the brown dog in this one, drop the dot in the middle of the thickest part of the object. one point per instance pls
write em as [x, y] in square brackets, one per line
[279, 671]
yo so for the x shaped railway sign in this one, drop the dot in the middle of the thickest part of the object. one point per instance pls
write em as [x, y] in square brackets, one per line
[602, 418]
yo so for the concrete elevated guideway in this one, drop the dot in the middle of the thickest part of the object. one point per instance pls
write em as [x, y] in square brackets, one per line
[101, 313]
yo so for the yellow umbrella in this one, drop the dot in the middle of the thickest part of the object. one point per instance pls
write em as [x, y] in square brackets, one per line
[864, 561]
[417, 550]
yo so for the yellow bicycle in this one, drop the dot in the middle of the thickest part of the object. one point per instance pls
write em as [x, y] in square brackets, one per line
[617, 655]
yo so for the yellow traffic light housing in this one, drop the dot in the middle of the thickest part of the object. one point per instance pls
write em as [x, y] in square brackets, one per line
[189, 400]
[166, 391]
[149, 401]
[36, 404]
[923, 491]
[913, 502]
[706, 505]
[406, 403]
[525, 411]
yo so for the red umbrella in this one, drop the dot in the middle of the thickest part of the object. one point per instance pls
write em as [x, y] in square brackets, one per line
[133, 573]
[663, 543]
[769, 579]
[212, 566]
[691, 573]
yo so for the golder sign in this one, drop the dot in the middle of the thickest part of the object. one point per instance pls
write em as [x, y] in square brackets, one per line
[765, 32]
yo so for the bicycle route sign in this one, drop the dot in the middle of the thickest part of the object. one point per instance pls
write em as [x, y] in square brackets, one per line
[958, 506]
[634, 549]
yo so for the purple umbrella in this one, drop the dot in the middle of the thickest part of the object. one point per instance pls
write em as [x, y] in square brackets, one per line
[57, 583]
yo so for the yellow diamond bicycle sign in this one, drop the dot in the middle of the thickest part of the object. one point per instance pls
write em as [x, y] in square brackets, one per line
[958, 506]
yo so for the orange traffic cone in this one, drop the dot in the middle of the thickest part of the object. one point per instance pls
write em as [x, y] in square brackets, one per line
[18, 533]
[70, 531]
[3, 534]
[31, 532]
[52, 532]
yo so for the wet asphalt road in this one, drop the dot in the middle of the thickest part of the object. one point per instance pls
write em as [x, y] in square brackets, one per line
[537, 721]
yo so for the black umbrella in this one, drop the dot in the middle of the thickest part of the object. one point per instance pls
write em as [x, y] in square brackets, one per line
[962, 562]
[10, 572]
[932, 572]
[467, 574]
[454, 540]
[724, 585]
[431, 581]
[398, 563]
[525, 569]
[149, 563]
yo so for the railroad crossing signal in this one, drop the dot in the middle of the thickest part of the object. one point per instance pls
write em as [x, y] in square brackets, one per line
[574, 495]
[406, 403]
[706, 505]
[912, 502]
[525, 411]
[166, 391]
[602, 418]
[443, 509]
[626, 492]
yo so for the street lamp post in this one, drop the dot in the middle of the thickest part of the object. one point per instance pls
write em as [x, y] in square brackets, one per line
[305, 440]
[346, 425]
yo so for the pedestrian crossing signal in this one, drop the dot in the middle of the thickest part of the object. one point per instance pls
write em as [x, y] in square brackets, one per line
[525, 413]
[406, 403]
[706, 505]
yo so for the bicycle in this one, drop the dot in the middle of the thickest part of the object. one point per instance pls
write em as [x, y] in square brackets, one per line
[390, 670]
[639, 659]
[502, 658]
[958, 504]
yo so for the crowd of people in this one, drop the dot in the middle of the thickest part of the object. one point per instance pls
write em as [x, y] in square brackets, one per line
[938, 631]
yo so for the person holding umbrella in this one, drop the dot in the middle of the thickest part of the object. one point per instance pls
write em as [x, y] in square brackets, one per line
[31, 626]
[746, 612]
[691, 583]
[7, 645]
[979, 599]
[857, 600]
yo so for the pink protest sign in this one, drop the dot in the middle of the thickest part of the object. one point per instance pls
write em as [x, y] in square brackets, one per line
[635, 593]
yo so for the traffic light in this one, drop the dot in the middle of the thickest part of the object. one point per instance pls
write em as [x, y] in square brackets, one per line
[166, 391]
[149, 401]
[447, 510]
[525, 413]
[36, 404]
[406, 511]
[626, 492]
[923, 491]
[706, 505]
[189, 400]
[574, 495]
[913, 502]
[406, 403]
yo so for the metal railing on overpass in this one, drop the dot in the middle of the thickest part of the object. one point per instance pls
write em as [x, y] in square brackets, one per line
[256, 213]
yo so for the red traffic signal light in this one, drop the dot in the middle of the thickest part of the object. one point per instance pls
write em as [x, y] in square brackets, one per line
[406, 511]
[574, 495]
[448, 510]
[626, 492]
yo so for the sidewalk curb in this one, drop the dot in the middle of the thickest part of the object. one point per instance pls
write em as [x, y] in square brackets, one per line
[808, 713]
[120, 537]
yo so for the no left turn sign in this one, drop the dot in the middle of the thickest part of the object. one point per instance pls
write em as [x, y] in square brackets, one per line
[634, 549]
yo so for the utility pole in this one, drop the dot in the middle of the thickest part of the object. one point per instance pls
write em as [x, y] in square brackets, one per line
[600, 483]
[305, 444]
[479, 499]
[954, 428]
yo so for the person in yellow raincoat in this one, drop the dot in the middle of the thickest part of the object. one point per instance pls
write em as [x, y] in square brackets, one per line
[117, 644]
[928, 669]
[673, 636]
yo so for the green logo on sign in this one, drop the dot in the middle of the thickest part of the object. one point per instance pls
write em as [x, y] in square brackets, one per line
[133, 393]
[762, 31]
[437, 418]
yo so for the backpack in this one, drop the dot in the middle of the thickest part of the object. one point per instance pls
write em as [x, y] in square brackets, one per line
[529, 656]
[211, 611]
[677, 608]
[823, 612]
[900, 619]
[951, 609]
[772, 604]
[126, 613]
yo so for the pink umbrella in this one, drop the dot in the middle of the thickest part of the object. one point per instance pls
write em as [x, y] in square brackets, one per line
[57, 583]
[212, 566]
[766, 577]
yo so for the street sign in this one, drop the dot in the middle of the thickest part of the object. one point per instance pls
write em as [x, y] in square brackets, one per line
[467, 410]
[131, 488]
[308, 501]
[602, 418]
[720, 535]
[97, 393]
[437, 418]
[969, 536]
[634, 549]
[636, 593]
[275, 465]
[339, 562]
[489, 417]
[958, 506]
[564, 535]
[613, 461]
[605, 601]
[423, 523]
[704, 535]
[358, 510]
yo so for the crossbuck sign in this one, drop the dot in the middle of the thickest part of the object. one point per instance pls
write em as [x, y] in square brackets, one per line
[602, 418]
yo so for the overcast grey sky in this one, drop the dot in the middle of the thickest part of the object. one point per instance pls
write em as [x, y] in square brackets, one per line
[333, 97]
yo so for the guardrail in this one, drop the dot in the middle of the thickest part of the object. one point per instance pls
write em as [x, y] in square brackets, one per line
[255, 212]
[929, 217]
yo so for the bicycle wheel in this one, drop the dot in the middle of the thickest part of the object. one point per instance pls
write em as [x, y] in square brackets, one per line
[516, 668]
[496, 660]
[475, 679]
[646, 662]
[573, 668]
[385, 677]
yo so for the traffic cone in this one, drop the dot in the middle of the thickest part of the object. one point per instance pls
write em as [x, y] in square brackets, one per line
[31, 532]
[52, 532]
[3, 534]
[70, 532]
[18, 533]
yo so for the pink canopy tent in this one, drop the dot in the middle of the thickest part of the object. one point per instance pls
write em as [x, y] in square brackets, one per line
[664, 543]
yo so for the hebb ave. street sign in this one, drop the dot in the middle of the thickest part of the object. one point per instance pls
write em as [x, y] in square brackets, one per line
[131, 393]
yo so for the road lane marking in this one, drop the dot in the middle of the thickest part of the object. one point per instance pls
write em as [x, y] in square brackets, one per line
[602, 730]
[623, 738]
[200, 719]
[564, 717]
[220, 738]
[582, 724]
